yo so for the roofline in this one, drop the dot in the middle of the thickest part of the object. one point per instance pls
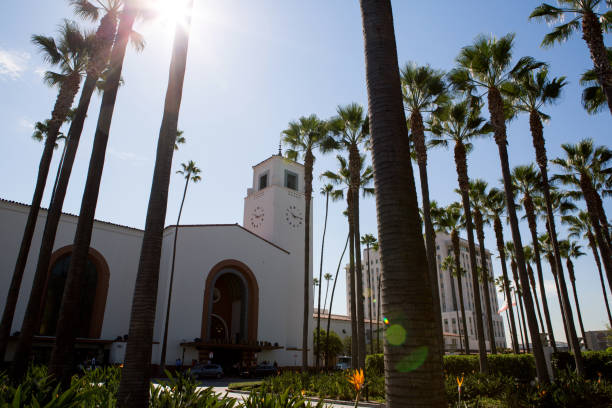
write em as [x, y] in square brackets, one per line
[282, 157]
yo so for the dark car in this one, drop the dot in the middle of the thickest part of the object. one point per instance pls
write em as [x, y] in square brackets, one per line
[207, 370]
[264, 370]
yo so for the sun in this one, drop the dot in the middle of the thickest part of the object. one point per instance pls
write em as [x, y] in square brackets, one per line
[171, 12]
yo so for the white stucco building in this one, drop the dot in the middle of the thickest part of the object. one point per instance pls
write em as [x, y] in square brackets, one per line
[449, 299]
[238, 289]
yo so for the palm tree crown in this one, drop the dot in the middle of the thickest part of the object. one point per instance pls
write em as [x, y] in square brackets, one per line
[190, 171]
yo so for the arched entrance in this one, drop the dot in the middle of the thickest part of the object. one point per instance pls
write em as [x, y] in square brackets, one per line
[93, 293]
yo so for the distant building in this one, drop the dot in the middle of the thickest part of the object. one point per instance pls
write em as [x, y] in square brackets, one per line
[449, 299]
[599, 340]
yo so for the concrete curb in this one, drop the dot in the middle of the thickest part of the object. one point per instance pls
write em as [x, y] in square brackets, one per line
[330, 401]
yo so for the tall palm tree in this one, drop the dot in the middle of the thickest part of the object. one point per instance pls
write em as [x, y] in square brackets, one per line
[190, 172]
[485, 66]
[495, 206]
[518, 292]
[449, 264]
[478, 196]
[367, 240]
[580, 166]
[328, 277]
[529, 258]
[501, 285]
[593, 97]
[569, 250]
[424, 92]
[461, 123]
[342, 178]
[350, 129]
[303, 137]
[325, 190]
[69, 53]
[527, 182]
[135, 378]
[580, 227]
[451, 221]
[407, 298]
[585, 15]
[331, 301]
[99, 54]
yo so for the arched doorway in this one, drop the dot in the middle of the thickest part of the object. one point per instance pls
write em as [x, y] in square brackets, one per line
[93, 294]
[231, 304]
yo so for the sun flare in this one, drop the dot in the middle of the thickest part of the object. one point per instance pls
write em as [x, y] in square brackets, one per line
[171, 12]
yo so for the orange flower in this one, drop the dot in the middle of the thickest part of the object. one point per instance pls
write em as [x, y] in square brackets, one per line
[303, 392]
[357, 379]
[460, 381]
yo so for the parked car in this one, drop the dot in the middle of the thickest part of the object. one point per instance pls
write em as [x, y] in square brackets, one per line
[207, 370]
[344, 363]
[263, 370]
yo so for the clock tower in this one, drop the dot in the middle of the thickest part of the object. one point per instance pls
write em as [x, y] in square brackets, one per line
[274, 209]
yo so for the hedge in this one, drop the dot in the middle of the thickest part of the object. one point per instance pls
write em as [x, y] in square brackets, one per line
[519, 366]
[595, 362]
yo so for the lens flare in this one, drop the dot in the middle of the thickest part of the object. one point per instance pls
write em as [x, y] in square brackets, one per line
[396, 335]
[413, 361]
[385, 320]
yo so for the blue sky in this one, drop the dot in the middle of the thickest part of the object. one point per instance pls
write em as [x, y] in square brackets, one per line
[253, 67]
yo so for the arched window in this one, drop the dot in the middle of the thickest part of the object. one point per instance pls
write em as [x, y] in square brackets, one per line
[92, 294]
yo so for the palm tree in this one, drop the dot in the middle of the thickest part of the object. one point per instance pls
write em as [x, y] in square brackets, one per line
[527, 182]
[461, 123]
[328, 277]
[303, 136]
[367, 240]
[342, 178]
[485, 66]
[325, 190]
[495, 206]
[451, 221]
[407, 298]
[529, 258]
[69, 53]
[584, 14]
[580, 227]
[581, 167]
[501, 284]
[518, 292]
[529, 92]
[350, 129]
[191, 172]
[331, 301]
[593, 97]
[424, 92]
[136, 375]
[449, 264]
[569, 250]
[478, 196]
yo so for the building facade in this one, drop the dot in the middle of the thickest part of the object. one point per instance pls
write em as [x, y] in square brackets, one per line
[238, 289]
[449, 294]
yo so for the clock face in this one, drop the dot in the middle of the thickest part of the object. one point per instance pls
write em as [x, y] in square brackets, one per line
[294, 216]
[257, 217]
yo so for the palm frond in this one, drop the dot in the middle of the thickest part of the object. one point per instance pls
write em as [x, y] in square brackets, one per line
[561, 33]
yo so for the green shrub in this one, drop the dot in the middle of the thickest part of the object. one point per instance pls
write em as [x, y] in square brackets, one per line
[375, 364]
[181, 391]
[595, 363]
[519, 366]
[282, 400]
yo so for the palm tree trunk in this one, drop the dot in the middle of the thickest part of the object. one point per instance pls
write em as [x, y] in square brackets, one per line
[536, 127]
[515, 276]
[134, 386]
[354, 166]
[485, 278]
[498, 119]
[499, 236]
[162, 360]
[320, 282]
[418, 136]
[308, 162]
[463, 180]
[517, 300]
[354, 343]
[65, 98]
[378, 319]
[407, 293]
[593, 246]
[61, 357]
[593, 36]
[456, 254]
[572, 276]
[331, 301]
[535, 298]
[553, 268]
[370, 299]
